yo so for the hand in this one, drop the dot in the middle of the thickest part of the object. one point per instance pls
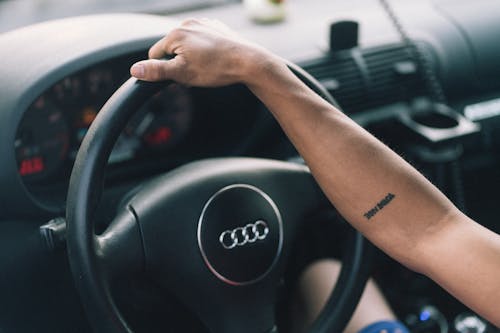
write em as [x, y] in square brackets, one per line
[206, 54]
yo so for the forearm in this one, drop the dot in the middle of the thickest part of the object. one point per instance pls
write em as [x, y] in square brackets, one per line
[466, 262]
[383, 197]
[356, 171]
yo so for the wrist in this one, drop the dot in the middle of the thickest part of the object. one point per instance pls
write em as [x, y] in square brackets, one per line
[257, 66]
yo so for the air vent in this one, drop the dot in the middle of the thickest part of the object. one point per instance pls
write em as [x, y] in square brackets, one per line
[342, 77]
[377, 77]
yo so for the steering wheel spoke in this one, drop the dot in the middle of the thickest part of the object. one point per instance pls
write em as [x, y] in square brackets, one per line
[119, 248]
[249, 317]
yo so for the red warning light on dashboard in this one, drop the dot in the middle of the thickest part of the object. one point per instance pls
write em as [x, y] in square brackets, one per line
[31, 166]
[158, 137]
[88, 115]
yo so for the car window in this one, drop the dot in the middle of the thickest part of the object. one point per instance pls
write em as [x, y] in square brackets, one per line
[17, 13]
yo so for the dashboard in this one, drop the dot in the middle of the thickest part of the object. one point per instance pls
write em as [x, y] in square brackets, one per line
[50, 95]
[172, 128]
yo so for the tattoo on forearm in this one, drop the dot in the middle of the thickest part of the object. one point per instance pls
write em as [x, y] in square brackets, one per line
[381, 204]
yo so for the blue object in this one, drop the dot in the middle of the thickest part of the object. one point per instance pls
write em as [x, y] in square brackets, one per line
[389, 326]
[425, 315]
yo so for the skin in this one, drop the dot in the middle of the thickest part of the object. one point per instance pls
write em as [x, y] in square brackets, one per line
[419, 227]
[313, 289]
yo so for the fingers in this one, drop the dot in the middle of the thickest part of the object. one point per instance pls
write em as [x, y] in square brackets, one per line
[171, 42]
[204, 55]
[156, 70]
[168, 44]
[156, 51]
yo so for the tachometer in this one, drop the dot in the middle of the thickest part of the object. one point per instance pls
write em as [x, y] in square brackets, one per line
[42, 141]
[160, 125]
[172, 112]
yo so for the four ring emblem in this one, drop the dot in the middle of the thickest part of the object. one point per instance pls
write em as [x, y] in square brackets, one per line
[243, 235]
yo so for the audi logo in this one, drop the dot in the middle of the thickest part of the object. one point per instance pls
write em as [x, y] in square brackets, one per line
[240, 236]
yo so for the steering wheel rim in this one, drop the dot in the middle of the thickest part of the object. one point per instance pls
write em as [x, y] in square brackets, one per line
[84, 247]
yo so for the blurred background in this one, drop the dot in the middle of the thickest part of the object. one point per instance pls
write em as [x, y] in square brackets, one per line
[17, 13]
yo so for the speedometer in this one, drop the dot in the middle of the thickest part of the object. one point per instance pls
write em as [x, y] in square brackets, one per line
[172, 113]
[161, 124]
[42, 141]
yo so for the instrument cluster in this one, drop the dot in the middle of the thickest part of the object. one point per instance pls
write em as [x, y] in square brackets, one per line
[53, 128]
[178, 121]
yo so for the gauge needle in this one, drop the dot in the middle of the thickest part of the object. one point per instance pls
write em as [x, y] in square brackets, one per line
[143, 126]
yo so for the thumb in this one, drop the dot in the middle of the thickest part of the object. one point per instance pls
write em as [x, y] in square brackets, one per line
[155, 69]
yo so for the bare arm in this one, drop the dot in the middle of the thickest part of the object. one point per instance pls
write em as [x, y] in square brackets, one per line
[374, 189]
[386, 199]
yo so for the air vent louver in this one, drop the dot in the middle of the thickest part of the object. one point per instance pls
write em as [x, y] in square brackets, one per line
[379, 76]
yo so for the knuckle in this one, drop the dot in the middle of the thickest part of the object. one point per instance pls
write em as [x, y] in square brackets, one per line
[175, 34]
[154, 71]
[162, 73]
[190, 22]
[207, 21]
[176, 71]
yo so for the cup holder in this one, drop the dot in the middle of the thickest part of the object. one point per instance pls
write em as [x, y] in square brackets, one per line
[434, 120]
[437, 122]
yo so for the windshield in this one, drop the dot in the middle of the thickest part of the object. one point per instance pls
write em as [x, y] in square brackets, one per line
[17, 13]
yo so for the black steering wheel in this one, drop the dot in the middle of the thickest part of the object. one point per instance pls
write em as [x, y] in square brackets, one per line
[215, 232]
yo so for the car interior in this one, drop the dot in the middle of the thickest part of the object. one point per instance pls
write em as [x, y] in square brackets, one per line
[421, 76]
